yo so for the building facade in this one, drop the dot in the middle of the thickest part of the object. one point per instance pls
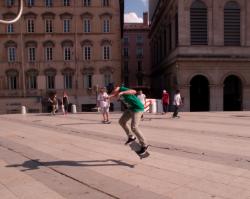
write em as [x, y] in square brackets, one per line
[59, 45]
[202, 47]
[136, 55]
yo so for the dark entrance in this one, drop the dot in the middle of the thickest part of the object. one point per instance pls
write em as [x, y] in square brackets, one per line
[199, 94]
[232, 94]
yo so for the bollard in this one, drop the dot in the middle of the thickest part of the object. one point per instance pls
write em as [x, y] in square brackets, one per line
[73, 108]
[23, 110]
[153, 106]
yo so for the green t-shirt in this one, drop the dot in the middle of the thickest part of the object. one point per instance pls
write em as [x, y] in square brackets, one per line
[132, 102]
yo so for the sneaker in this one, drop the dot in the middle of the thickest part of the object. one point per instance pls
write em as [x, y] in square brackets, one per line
[131, 139]
[143, 150]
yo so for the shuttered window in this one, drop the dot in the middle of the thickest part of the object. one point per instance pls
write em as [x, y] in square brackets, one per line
[198, 23]
[232, 24]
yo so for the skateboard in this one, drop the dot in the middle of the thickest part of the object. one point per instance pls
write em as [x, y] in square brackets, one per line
[135, 146]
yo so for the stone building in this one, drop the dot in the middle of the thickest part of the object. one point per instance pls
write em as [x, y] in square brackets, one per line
[202, 47]
[136, 55]
[59, 45]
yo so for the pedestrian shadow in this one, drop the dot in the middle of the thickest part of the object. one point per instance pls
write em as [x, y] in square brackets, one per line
[37, 164]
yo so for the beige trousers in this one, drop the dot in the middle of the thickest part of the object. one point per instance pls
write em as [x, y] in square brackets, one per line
[135, 120]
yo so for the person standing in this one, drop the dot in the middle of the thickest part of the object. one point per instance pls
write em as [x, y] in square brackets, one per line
[142, 98]
[177, 103]
[103, 103]
[134, 112]
[165, 101]
[65, 103]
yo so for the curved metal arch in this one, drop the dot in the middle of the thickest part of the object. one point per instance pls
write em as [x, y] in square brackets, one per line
[17, 17]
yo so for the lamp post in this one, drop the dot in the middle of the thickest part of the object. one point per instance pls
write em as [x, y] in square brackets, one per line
[17, 17]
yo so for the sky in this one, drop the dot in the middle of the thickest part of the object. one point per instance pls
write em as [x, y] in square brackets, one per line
[134, 10]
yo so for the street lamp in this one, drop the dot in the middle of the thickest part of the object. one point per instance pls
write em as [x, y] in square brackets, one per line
[17, 17]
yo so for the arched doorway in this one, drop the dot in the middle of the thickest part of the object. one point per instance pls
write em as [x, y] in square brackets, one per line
[199, 94]
[232, 94]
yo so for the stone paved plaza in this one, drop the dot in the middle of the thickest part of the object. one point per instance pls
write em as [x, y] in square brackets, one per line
[198, 156]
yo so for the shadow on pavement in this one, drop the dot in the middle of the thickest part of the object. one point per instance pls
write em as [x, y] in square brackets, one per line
[36, 164]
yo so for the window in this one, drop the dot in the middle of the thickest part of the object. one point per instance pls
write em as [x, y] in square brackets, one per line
[106, 25]
[176, 30]
[49, 53]
[67, 54]
[87, 52]
[30, 3]
[10, 3]
[32, 82]
[12, 77]
[10, 28]
[12, 82]
[125, 52]
[107, 79]
[139, 52]
[105, 3]
[11, 54]
[66, 2]
[126, 70]
[139, 66]
[50, 81]
[48, 3]
[232, 24]
[48, 25]
[30, 25]
[86, 3]
[106, 52]
[87, 27]
[68, 81]
[66, 25]
[125, 40]
[139, 39]
[169, 36]
[198, 23]
[31, 54]
[87, 81]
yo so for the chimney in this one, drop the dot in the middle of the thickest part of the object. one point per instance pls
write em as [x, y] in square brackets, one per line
[145, 18]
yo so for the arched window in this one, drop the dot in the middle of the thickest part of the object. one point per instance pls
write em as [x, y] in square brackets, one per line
[67, 49]
[11, 50]
[48, 50]
[198, 23]
[32, 78]
[31, 50]
[232, 24]
[50, 78]
[12, 77]
[68, 74]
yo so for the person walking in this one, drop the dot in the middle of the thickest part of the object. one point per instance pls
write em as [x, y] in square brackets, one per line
[65, 103]
[142, 97]
[134, 112]
[165, 101]
[177, 103]
[53, 101]
[103, 104]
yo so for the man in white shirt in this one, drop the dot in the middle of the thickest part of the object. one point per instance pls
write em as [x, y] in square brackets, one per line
[177, 102]
[142, 98]
[103, 104]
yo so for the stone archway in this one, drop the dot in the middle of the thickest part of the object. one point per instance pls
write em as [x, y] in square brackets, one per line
[199, 94]
[232, 93]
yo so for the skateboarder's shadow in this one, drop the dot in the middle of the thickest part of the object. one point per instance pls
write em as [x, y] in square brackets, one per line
[37, 164]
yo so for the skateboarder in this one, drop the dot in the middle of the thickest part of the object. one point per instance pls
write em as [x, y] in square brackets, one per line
[134, 112]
